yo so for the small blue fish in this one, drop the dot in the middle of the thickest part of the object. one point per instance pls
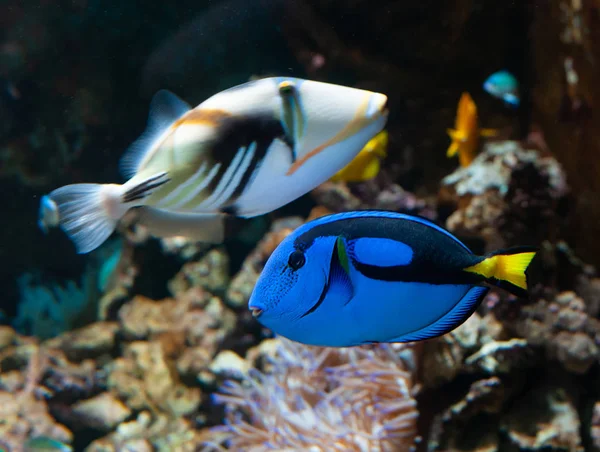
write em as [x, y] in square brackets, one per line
[372, 276]
[48, 216]
[45, 443]
[503, 85]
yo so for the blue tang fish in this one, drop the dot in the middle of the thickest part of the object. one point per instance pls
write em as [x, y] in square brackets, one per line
[503, 85]
[373, 276]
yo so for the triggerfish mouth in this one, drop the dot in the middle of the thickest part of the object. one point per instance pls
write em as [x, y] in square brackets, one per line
[373, 276]
[243, 152]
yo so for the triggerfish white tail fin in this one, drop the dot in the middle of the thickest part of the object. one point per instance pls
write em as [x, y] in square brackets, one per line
[83, 213]
[506, 269]
[88, 213]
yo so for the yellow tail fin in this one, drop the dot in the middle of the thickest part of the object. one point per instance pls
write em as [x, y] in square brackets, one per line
[488, 132]
[506, 269]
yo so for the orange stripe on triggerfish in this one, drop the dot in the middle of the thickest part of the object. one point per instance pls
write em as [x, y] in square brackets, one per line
[353, 127]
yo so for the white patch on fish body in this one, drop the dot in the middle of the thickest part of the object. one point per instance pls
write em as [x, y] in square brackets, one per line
[312, 170]
[199, 188]
[236, 179]
[269, 179]
[212, 202]
[188, 184]
[230, 154]
[179, 147]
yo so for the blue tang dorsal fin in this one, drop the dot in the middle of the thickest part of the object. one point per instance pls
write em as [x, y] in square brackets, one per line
[165, 109]
[376, 213]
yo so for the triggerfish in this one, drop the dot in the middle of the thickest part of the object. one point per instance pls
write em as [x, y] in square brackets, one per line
[367, 163]
[503, 85]
[243, 152]
[373, 276]
[465, 135]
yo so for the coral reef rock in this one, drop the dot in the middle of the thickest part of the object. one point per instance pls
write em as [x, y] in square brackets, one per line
[342, 197]
[24, 413]
[564, 329]
[211, 272]
[507, 195]
[544, 419]
[243, 282]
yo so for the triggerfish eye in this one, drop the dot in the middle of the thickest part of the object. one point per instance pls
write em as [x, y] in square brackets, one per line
[296, 260]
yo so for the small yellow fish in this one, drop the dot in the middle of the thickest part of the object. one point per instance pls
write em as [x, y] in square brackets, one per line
[465, 136]
[367, 163]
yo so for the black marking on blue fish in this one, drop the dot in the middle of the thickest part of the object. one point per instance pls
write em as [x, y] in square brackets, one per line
[338, 275]
[437, 258]
[144, 189]
[319, 301]
[235, 132]
[334, 257]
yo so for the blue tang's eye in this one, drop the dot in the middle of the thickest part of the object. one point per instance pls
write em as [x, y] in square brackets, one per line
[296, 260]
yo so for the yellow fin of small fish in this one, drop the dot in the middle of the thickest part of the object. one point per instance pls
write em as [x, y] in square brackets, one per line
[367, 163]
[508, 266]
[371, 170]
[456, 134]
[488, 132]
[453, 149]
[378, 144]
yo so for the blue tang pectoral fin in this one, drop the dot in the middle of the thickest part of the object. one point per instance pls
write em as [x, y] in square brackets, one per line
[449, 321]
[340, 283]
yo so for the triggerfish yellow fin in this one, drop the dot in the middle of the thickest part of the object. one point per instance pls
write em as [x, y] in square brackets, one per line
[506, 269]
[367, 163]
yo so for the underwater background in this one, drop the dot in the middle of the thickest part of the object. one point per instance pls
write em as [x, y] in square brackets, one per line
[147, 344]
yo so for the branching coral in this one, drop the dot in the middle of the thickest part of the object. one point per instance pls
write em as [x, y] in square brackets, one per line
[358, 399]
[23, 410]
[243, 282]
